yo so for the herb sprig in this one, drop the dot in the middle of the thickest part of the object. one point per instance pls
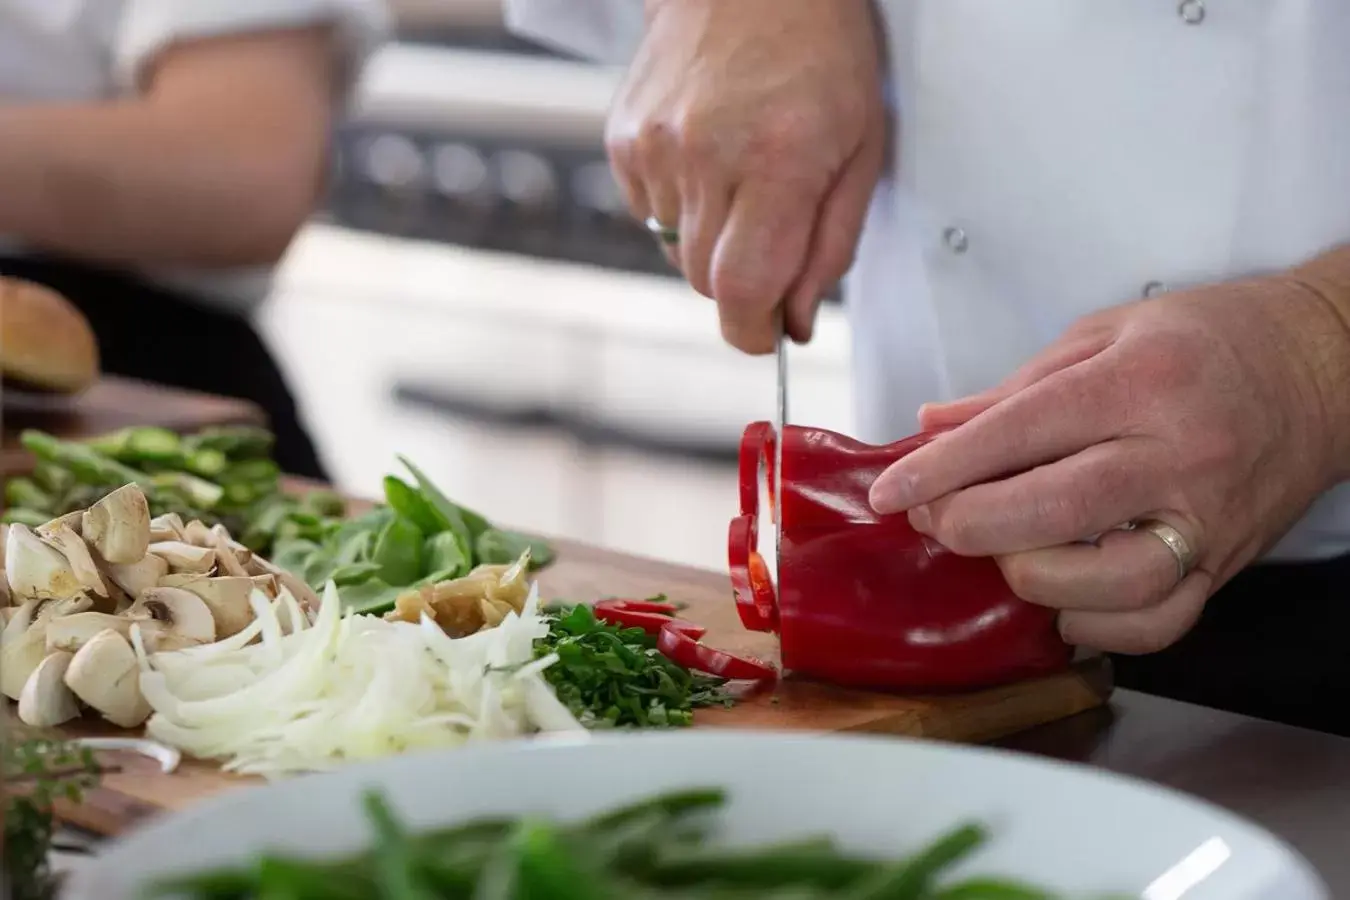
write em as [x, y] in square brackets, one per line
[36, 772]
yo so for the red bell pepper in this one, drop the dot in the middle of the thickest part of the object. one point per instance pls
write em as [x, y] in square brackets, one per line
[649, 615]
[683, 648]
[863, 599]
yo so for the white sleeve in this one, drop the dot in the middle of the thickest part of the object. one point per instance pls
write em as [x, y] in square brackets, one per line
[148, 27]
[606, 31]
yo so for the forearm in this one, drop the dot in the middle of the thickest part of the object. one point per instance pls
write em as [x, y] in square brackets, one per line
[124, 183]
[1326, 282]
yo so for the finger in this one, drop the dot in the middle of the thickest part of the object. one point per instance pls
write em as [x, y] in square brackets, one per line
[759, 253]
[1083, 495]
[933, 416]
[1059, 415]
[1122, 572]
[1144, 630]
[704, 215]
[835, 238]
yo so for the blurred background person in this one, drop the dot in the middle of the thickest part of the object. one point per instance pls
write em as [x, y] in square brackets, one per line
[157, 158]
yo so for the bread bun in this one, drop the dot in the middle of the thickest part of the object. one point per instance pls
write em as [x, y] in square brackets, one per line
[45, 342]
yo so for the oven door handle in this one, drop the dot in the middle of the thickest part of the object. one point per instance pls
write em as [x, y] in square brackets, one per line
[588, 431]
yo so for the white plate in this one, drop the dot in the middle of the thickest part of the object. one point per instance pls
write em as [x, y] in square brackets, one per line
[1066, 827]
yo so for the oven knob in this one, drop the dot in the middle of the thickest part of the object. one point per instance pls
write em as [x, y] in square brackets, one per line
[393, 162]
[526, 179]
[460, 173]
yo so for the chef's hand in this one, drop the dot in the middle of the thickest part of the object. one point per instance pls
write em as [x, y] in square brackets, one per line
[1215, 410]
[756, 128]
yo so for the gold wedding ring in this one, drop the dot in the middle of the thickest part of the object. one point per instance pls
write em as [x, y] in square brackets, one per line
[1175, 541]
[664, 233]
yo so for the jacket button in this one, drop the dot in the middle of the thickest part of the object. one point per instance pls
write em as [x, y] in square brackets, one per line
[955, 239]
[1192, 12]
[1154, 288]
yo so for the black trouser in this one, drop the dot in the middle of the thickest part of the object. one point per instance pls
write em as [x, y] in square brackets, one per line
[155, 334]
[1273, 643]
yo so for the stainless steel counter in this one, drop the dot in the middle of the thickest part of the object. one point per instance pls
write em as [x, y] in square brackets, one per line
[1295, 783]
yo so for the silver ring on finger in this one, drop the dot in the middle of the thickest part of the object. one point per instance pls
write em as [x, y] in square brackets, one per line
[663, 233]
[1174, 540]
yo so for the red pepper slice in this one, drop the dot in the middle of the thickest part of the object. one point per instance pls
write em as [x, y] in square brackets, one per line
[684, 649]
[649, 615]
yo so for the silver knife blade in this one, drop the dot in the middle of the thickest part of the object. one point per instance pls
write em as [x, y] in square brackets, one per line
[780, 421]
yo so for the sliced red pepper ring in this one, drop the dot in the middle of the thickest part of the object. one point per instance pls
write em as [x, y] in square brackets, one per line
[757, 444]
[685, 650]
[756, 600]
[651, 616]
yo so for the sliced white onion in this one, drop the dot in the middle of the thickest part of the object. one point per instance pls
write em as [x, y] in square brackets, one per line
[348, 687]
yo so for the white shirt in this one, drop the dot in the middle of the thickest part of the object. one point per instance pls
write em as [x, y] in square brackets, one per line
[90, 50]
[1061, 156]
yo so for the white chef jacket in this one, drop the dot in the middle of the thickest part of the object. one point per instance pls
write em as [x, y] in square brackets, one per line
[54, 51]
[1061, 156]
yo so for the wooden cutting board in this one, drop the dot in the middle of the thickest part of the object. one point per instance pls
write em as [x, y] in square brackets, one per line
[111, 404]
[139, 791]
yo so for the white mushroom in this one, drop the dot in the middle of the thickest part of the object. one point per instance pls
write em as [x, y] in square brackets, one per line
[226, 597]
[168, 527]
[302, 592]
[6, 613]
[106, 676]
[35, 569]
[70, 633]
[118, 526]
[62, 537]
[197, 534]
[23, 644]
[45, 701]
[183, 557]
[219, 538]
[172, 618]
[70, 520]
[4, 536]
[138, 577]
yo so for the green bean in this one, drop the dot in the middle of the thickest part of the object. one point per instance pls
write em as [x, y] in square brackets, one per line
[85, 463]
[671, 805]
[396, 871]
[24, 492]
[910, 879]
[812, 862]
[990, 889]
[235, 441]
[20, 516]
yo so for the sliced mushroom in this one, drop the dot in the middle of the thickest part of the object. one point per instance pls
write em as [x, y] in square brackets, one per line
[197, 534]
[70, 633]
[70, 520]
[23, 645]
[173, 618]
[59, 535]
[229, 564]
[118, 526]
[226, 597]
[4, 537]
[6, 613]
[168, 527]
[138, 577]
[183, 557]
[5, 598]
[106, 676]
[35, 569]
[45, 701]
[303, 593]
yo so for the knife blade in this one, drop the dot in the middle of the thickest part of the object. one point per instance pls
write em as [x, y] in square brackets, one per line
[780, 421]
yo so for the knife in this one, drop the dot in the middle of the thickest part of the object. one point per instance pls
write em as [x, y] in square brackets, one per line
[780, 420]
